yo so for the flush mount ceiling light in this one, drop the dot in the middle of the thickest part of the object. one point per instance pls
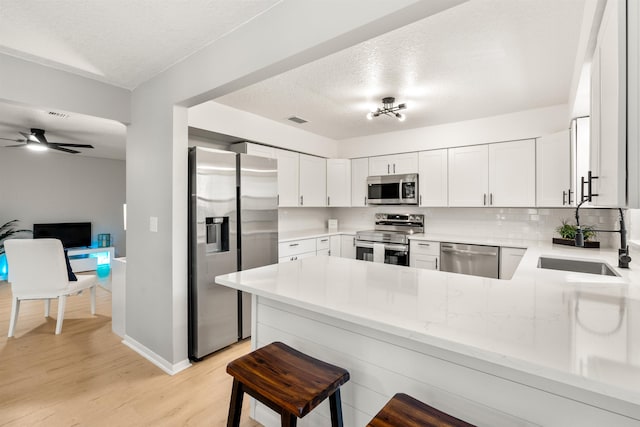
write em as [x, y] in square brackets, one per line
[388, 109]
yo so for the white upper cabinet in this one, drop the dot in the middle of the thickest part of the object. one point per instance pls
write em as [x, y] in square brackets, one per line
[512, 173]
[338, 182]
[255, 149]
[432, 178]
[468, 175]
[608, 109]
[502, 174]
[359, 174]
[313, 181]
[394, 164]
[553, 171]
[288, 177]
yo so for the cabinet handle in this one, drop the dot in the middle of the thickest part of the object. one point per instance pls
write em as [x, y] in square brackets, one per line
[354, 242]
[569, 193]
[424, 244]
[394, 168]
[278, 199]
[328, 201]
[484, 199]
[323, 240]
[564, 198]
[388, 169]
[293, 244]
[491, 199]
[301, 200]
[436, 263]
[420, 200]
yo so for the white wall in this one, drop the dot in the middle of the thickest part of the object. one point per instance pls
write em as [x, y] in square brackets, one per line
[51, 187]
[220, 118]
[506, 127]
[34, 85]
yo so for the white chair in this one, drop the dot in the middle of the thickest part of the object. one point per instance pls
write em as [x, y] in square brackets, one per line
[38, 270]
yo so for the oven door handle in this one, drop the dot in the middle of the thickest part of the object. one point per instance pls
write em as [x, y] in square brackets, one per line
[391, 247]
[399, 189]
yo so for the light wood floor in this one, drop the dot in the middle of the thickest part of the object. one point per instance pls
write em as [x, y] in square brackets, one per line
[87, 377]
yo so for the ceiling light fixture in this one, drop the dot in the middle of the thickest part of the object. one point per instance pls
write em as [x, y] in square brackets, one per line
[388, 109]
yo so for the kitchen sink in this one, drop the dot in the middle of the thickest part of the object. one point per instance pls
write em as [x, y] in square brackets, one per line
[579, 266]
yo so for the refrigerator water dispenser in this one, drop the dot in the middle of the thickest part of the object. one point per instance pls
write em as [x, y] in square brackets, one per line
[217, 234]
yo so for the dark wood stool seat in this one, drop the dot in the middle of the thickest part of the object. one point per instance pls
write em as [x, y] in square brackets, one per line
[286, 380]
[405, 411]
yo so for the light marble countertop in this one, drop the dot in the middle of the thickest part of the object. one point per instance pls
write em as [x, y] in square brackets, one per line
[577, 330]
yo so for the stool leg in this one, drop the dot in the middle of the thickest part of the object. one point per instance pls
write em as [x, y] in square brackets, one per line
[336, 409]
[288, 420]
[235, 406]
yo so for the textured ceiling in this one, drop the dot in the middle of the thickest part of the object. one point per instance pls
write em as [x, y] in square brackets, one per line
[482, 58]
[122, 42]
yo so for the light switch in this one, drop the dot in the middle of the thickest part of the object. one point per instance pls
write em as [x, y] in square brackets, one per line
[153, 224]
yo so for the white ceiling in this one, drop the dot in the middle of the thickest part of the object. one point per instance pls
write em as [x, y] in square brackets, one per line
[481, 58]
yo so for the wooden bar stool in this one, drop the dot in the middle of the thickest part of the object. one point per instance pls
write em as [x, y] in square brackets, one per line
[287, 381]
[405, 411]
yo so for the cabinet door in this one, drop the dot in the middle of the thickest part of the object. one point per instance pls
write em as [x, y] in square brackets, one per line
[468, 176]
[553, 170]
[335, 246]
[404, 163]
[428, 262]
[432, 176]
[509, 260]
[608, 115]
[348, 246]
[313, 181]
[379, 165]
[260, 150]
[338, 182]
[512, 173]
[288, 177]
[359, 174]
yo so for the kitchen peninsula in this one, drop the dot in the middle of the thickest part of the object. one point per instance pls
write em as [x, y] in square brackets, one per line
[548, 347]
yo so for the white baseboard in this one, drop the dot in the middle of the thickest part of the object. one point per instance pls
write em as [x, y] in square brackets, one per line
[151, 356]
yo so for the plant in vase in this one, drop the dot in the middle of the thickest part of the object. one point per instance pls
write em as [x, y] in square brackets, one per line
[567, 233]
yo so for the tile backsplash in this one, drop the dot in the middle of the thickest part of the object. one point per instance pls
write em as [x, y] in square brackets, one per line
[511, 223]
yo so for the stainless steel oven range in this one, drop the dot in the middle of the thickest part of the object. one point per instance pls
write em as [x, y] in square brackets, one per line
[389, 241]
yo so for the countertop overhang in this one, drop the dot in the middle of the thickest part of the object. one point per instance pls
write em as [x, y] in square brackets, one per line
[579, 332]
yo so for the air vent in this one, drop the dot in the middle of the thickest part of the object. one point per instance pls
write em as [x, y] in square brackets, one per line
[297, 120]
[58, 115]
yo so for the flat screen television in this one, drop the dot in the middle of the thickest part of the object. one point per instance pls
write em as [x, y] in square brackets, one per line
[72, 234]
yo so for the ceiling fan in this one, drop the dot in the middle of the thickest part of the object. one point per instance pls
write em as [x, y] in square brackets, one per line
[38, 142]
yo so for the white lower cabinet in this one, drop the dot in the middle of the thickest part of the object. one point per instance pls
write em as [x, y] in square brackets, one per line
[509, 260]
[335, 243]
[348, 246]
[296, 249]
[424, 254]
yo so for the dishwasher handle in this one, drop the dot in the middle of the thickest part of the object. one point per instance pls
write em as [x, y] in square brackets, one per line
[466, 252]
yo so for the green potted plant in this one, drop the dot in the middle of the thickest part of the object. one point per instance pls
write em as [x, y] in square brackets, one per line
[567, 234]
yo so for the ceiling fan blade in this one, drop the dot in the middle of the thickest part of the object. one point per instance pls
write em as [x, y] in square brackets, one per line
[14, 140]
[17, 145]
[61, 144]
[54, 147]
[26, 135]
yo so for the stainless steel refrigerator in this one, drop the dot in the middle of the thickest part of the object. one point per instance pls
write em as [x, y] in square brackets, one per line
[233, 225]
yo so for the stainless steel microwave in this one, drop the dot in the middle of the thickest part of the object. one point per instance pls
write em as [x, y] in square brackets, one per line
[393, 189]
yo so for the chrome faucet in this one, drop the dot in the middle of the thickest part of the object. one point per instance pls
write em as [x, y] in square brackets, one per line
[623, 252]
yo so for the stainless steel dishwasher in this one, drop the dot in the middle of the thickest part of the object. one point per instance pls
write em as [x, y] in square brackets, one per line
[475, 260]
